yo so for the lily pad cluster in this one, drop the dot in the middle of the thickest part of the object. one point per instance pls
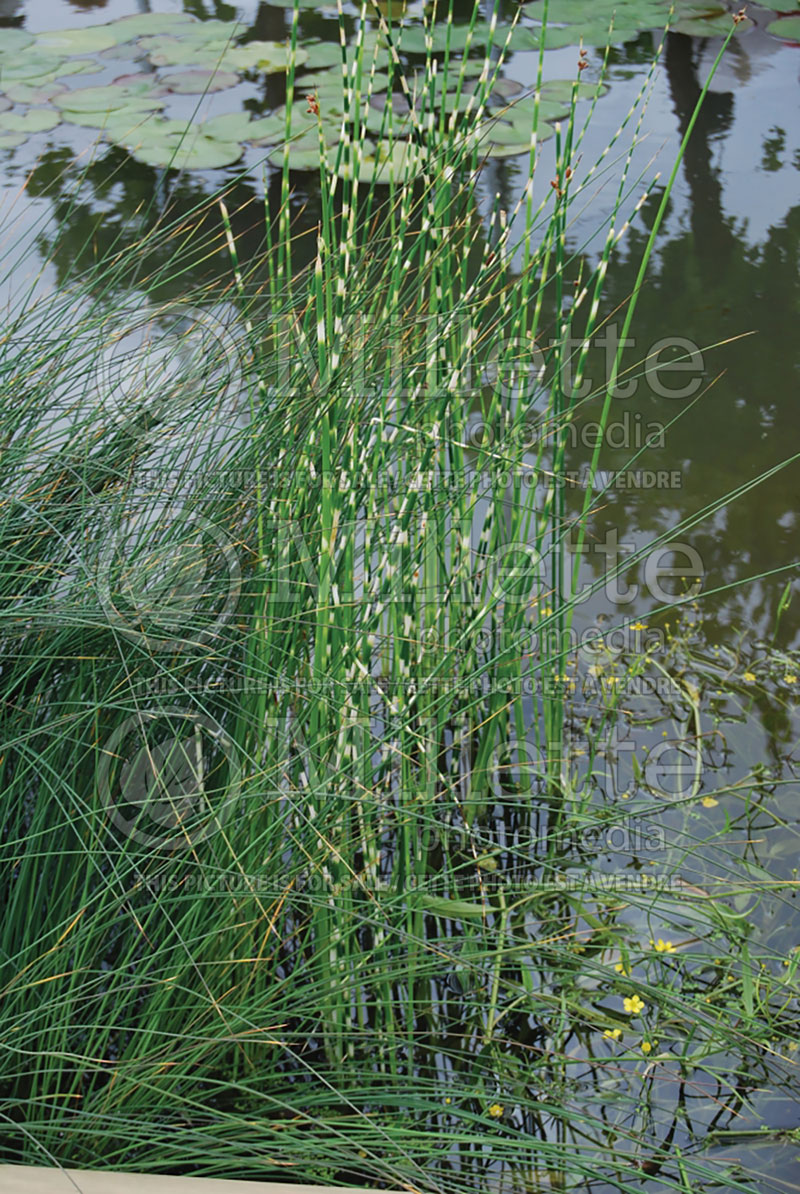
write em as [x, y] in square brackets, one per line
[42, 85]
[572, 21]
[39, 86]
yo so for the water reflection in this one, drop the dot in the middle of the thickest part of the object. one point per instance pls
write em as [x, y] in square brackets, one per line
[711, 284]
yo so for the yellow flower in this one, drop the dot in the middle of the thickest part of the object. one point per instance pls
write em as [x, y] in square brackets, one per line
[622, 969]
[496, 1110]
[663, 947]
[613, 1033]
[448, 1099]
[749, 678]
[790, 678]
[632, 1004]
[648, 1046]
[709, 802]
[639, 626]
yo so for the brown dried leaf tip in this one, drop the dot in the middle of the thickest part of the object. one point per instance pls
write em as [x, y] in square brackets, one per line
[313, 104]
[740, 16]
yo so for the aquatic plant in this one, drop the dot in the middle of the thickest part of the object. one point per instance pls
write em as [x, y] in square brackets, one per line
[304, 853]
[178, 55]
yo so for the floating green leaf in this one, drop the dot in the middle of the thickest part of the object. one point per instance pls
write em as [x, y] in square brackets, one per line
[31, 64]
[27, 93]
[129, 117]
[786, 27]
[571, 21]
[379, 162]
[37, 68]
[199, 154]
[35, 120]
[412, 39]
[175, 51]
[14, 40]
[12, 140]
[171, 143]
[710, 25]
[323, 53]
[105, 99]
[5, 104]
[152, 23]
[237, 126]
[330, 83]
[266, 56]
[561, 89]
[89, 40]
[269, 130]
[199, 82]
[150, 127]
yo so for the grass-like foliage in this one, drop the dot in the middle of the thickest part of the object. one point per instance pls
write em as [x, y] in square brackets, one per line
[299, 874]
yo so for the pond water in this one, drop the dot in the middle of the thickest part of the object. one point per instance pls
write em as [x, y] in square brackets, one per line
[724, 283]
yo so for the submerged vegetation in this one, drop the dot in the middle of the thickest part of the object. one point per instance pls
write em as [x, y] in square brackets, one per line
[338, 847]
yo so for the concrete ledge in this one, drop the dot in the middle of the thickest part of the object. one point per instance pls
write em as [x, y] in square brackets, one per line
[21, 1179]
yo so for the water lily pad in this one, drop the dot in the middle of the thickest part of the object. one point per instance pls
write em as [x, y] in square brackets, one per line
[303, 145]
[126, 118]
[709, 25]
[78, 66]
[200, 153]
[322, 53]
[412, 39]
[14, 40]
[266, 56]
[31, 65]
[199, 82]
[269, 130]
[25, 93]
[331, 82]
[561, 89]
[5, 104]
[79, 41]
[786, 27]
[12, 140]
[520, 113]
[213, 30]
[149, 24]
[301, 157]
[175, 51]
[35, 120]
[515, 148]
[37, 68]
[502, 88]
[237, 126]
[105, 99]
[304, 124]
[570, 21]
[141, 83]
[398, 158]
[159, 128]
